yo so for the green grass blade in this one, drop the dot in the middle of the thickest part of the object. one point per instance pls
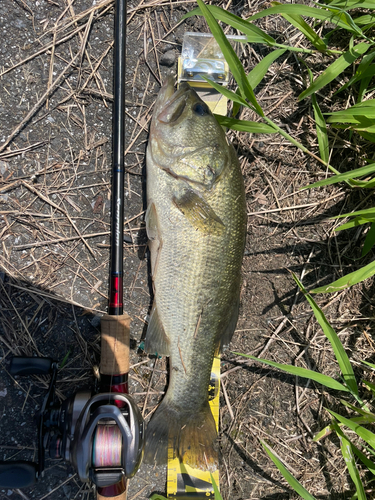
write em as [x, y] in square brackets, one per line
[299, 23]
[231, 57]
[359, 111]
[325, 380]
[255, 34]
[227, 93]
[216, 489]
[348, 280]
[368, 137]
[347, 453]
[321, 127]
[344, 17]
[296, 485]
[362, 432]
[352, 174]
[358, 221]
[304, 10]
[323, 433]
[245, 125]
[257, 74]
[367, 20]
[366, 416]
[351, 4]
[329, 332]
[364, 184]
[335, 69]
[365, 82]
[366, 212]
[328, 429]
[369, 241]
[369, 385]
[361, 70]
[366, 461]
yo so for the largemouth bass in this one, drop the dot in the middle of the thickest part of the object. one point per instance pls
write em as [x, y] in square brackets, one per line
[196, 225]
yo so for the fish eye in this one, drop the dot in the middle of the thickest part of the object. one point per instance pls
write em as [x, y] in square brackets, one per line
[201, 109]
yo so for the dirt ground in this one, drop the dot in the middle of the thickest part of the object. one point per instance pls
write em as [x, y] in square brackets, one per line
[55, 160]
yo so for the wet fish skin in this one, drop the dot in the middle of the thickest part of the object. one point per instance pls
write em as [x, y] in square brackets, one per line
[196, 224]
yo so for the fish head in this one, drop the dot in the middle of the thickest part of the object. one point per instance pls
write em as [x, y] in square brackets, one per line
[185, 138]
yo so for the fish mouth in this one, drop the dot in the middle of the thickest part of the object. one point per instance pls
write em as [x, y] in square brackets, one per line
[173, 103]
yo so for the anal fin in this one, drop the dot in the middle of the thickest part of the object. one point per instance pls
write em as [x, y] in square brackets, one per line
[231, 326]
[156, 341]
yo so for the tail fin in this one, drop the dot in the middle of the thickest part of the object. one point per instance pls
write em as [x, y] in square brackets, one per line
[192, 435]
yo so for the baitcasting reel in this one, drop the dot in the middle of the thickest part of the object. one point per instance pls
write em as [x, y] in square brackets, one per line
[102, 435]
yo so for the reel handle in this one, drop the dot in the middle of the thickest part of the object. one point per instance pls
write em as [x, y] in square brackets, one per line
[25, 365]
[17, 474]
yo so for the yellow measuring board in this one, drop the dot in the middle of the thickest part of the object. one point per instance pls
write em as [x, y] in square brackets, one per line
[184, 482]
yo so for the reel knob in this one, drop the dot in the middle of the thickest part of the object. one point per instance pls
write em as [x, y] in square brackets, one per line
[24, 365]
[17, 474]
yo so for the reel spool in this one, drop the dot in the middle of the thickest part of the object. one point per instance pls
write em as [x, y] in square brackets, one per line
[102, 435]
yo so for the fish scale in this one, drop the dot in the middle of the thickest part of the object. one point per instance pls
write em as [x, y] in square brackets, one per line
[196, 223]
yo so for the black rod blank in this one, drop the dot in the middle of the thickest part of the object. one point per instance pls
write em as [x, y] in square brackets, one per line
[115, 306]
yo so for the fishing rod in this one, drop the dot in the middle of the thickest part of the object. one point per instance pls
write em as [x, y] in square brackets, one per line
[100, 434]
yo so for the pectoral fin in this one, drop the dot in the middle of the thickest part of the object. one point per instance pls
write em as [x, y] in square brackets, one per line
[156, 341]
[198, 212]
[151, 219]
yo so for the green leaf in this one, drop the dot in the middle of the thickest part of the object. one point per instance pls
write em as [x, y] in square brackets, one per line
[304, 28]
[367, 136]
[347, 453]
[351, 4]
[367, 462]
[344, 17]
[245, 125]
[362, 432]
[227, 93]
[365, 20]
[364, 184]
[359, 111]
[156, 496]
[296, 485]
[340, 353]
[363, 87]
[348, 280]
[370, 385]
[328, 429]
[351, 174]
[325, 380]
[257, 74]
[371, 365]
[231, 57]
[366, 416]
[369, 241]
[335, 69]
[361, 70]
[216, 489]
[304, 10]
[321, 127]
[366, 212]
[254, 34]
[358, 221]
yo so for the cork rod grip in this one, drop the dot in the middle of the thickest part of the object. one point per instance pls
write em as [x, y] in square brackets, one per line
[115, 340]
